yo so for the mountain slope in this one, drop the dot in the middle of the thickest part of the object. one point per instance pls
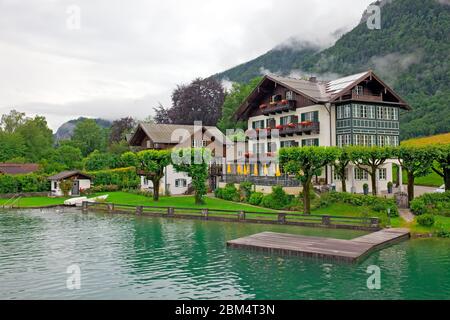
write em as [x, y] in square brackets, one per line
[410, 52]
[65, 131]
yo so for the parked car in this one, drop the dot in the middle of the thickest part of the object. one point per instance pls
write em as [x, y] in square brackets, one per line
[441, 189]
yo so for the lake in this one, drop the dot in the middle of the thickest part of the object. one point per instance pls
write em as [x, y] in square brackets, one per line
[128, 257]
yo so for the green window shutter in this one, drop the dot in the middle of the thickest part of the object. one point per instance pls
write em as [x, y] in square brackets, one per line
[303, 117]
[303, 143]
[316, 142]
[316, 116]
[254, 125]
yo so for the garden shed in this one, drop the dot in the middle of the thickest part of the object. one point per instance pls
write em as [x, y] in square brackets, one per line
[80, 182]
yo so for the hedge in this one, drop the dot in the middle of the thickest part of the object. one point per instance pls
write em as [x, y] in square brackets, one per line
[24, 183]
[124, 178]
[432, 203]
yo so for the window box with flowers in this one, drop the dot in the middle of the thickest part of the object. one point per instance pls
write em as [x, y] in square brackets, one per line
[279, 127]
[291, 125]
[284, 102]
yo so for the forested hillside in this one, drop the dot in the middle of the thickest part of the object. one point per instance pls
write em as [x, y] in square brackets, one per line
[410, 51]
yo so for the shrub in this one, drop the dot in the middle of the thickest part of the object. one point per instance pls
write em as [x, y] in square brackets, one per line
[124, 178]
[426, 220]
[229, 193]
[103, 188]
[245, 189]
[418, 207]
[443, 234]
[278, 199]
[24, 183]
[256, 198]
[432, 203]
[375, 203]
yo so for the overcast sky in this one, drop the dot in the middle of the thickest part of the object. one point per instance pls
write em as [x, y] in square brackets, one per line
[123, 57]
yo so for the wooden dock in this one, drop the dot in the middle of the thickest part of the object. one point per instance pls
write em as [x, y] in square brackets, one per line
[354, 250]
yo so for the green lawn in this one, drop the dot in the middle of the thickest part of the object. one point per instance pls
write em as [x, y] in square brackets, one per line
[35, 202]
[430, 180]
[442, 223]
[178, 202]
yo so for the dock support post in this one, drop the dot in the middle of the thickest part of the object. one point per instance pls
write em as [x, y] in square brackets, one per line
[281, 218]
[170, 212]
[139, 210]
[326, 220]
[374, 222]
[84, 206]
[205, 214]
[110, 207]
[241, 215]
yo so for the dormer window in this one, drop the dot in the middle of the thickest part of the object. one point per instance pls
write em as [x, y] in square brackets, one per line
[290, 95]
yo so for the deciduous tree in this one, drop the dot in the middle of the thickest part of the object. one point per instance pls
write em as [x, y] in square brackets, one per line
[442, 163]
[306, 163]
[201, 100]
[151, 164]
[340, 166]
[416, 161]
[370, 159]
[195, 163]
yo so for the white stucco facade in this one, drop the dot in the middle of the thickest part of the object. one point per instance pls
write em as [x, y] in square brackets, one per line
[177, 183]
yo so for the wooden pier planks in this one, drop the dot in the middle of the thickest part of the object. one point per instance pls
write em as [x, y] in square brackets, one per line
[325, 248]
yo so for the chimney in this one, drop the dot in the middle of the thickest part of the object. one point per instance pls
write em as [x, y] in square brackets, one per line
[313, 79]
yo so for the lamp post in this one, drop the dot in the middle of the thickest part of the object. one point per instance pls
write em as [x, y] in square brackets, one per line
[389, 217]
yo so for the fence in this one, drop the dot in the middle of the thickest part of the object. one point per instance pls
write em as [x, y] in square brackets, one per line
[284, 218]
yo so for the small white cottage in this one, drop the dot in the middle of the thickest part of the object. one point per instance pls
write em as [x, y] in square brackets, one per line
[80, 180]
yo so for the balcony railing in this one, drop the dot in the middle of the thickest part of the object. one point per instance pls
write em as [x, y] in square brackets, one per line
[300, 129]
[367, 97]
[284, 181]
[280, 107]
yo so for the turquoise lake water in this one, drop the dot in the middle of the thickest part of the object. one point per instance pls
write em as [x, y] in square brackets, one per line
[127, 257]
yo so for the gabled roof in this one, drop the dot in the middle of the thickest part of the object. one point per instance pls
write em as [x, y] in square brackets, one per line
[163, 133]
[68, 174]
[18, 168]
[337, 86]
[319, 91]
[313, 90]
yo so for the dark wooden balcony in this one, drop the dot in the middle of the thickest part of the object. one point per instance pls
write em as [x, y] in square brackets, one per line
[300, 129]
[280, 107]
[367, 97]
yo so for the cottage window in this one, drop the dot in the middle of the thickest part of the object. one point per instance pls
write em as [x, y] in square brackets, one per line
[310, 142]
[290, 95]
[359, 90]
[310, 116]
[55, 185]
[382, 174]
[258, 124]
[361, 174]
[180, 183]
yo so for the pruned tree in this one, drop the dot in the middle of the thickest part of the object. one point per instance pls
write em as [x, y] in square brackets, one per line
[66, 186]
[370, 159]
[194, 162]
[441, 164]
[151, 164]
[341, 165]
[305, 163]
[416, 161]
